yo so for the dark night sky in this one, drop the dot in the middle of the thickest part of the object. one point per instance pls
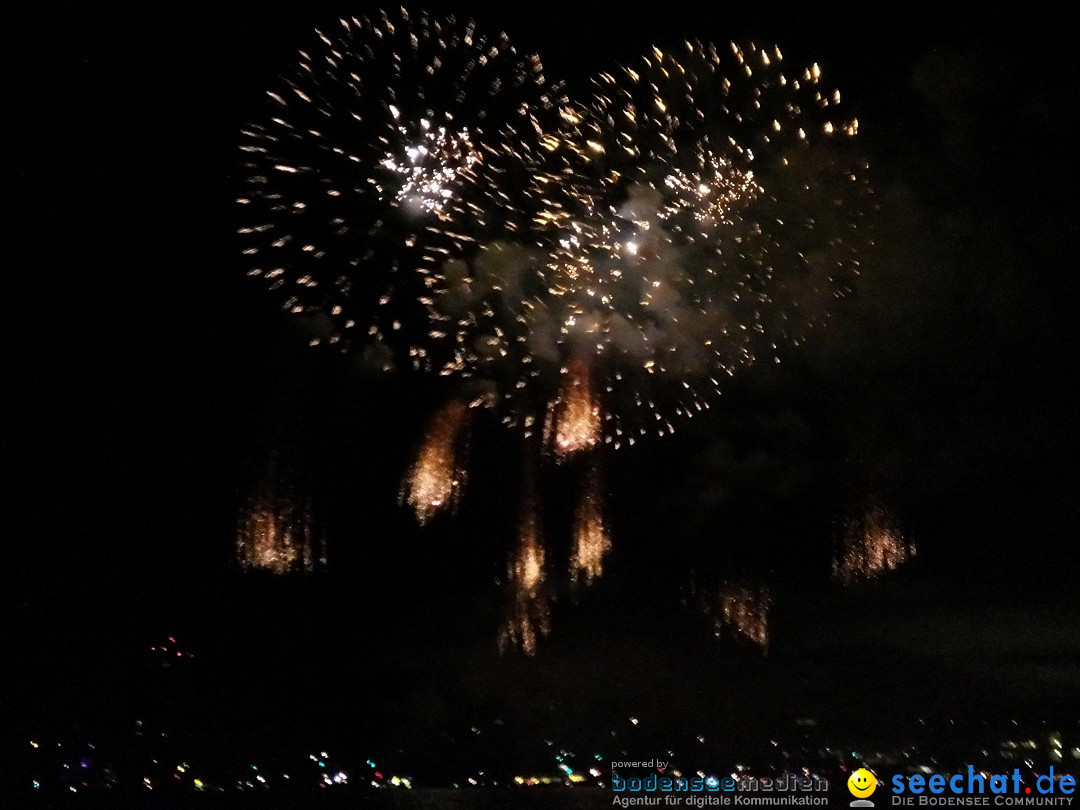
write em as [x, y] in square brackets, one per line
[144, 375]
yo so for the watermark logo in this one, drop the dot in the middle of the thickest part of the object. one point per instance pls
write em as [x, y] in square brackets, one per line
[980, 788]
[862, 784]
[676, 790]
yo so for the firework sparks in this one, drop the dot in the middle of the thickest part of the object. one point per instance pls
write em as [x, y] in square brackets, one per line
[431, 168]
[528, 617]
[744, 611]
[683, 218]
[276, 531]
[573, 420]
[591, 538]
[870, 546]
[699, 209]
[711, 193]
[437, 477]
[383, 154]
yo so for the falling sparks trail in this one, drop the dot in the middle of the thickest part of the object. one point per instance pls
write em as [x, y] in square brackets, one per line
[528, 616]
[870, 546]
[573, 422]
[591, 539]
[744, 611]
[437, 477]
[276, 531]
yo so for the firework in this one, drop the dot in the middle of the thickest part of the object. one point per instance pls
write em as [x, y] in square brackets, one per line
[698, 209]
[744, 611]
[528, 617]
[870, 546]
[276, 532]
[591, 538]
[437, 477]
[590, 266]
[382, 154]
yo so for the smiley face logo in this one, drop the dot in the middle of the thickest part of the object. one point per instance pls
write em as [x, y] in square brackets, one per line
[861, 783]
